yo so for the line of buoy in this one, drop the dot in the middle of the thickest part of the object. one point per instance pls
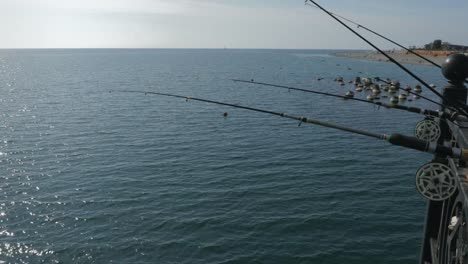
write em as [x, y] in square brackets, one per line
[350, 96]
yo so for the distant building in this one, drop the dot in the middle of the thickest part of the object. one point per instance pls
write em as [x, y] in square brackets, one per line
[448, 46]
[439, 48]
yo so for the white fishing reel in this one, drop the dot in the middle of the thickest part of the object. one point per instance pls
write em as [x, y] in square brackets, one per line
[436, 181]
[427, 130]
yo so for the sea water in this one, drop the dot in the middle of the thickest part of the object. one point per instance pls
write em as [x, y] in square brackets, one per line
[93, 175]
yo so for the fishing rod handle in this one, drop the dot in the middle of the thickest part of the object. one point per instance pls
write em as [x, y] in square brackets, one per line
[427, 146]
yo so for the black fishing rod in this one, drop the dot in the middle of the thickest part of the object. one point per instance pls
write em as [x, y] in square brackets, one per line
[393, 106]
[383, 37]
[299, 89]
[395, 138]
[459, 107]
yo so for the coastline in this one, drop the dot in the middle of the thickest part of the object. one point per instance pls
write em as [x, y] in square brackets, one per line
[399, 56]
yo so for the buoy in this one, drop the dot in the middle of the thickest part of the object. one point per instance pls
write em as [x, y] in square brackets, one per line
[367, 82]
[225, 114]
[394, 100]
[349, 94]
[396, 84]
[417, 89]
[357, 80]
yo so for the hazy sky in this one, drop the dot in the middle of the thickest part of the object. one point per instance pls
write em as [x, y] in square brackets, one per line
[220, 23]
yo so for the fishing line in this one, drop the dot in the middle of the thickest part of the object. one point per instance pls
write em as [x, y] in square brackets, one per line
[381, 36]
[411, 109]
[461, 110]
[394, 138]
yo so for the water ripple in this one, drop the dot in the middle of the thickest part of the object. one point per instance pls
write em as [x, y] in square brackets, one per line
[89, 176]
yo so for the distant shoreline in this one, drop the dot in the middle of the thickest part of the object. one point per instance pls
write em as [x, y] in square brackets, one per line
[399, 56]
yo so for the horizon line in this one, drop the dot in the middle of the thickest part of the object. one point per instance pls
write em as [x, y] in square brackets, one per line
[182, 49]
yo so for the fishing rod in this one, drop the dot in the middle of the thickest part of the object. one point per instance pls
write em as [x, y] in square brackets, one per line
[383, 37]
[460, 108]
[395, 106]
[394, 138]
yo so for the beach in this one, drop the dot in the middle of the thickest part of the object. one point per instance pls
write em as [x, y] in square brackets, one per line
[400, 56]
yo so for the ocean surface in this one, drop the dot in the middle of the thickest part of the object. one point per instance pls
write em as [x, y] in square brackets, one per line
[93, 176]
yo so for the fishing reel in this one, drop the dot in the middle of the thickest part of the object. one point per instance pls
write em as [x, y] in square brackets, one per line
[436, 181]
[428, 130]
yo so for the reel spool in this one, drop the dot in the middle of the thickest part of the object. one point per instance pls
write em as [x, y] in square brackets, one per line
[427, 130]
[436, 181]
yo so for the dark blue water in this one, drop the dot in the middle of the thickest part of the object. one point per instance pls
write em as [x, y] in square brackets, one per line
[89, 176]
